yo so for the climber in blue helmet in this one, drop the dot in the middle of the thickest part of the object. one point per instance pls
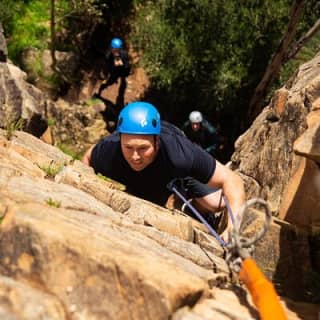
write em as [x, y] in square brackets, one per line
[146, 154]
[117, 66]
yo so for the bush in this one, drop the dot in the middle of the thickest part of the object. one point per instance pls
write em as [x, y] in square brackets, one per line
[30, 28]
[211, 54]
[9, 9]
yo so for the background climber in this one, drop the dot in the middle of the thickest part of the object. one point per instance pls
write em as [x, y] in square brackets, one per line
[201, 132]
[117, 67]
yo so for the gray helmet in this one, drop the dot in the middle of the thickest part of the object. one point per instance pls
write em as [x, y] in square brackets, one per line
[195, 117]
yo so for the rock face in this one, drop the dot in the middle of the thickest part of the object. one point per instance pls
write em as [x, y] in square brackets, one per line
[21, 104]
[278, 158]
[76, 126]
[88, 250]
[264, 154]
[31, 57]
[76, 246]
[281, 149]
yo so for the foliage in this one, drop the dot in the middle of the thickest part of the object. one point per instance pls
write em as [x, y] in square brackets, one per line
[306, 54]
[53, 203]
[75, 21]
[180, 48]
[33, 67]
[69, 150]
[92, 101]
[9, 9]
[12, 126]
[202, 54]
[210, 55]
[310, 15]
[114, 184]
[51, 121]
[28, 23]
[52, 169]
[30, 28]
[101, 176]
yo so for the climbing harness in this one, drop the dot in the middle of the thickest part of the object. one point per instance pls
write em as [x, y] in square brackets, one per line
[187, 203]
[238, 257]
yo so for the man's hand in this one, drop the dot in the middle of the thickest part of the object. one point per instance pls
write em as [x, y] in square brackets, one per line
[233, 188]
[118, 62]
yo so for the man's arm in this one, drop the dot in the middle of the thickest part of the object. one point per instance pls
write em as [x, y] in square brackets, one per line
[87, 156]
[232, 186]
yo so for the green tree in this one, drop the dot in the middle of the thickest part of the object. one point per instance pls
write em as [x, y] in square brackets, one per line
[26, 26]
[211, 54]
[8, 9]
[287, 50]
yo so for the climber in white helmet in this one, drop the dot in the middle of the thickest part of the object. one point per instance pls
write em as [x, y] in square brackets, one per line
[201, 132]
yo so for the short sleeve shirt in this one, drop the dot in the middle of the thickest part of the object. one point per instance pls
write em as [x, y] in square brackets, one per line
[178, 157]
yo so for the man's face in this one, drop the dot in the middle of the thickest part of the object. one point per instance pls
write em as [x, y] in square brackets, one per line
[115, 52]
[195, 126]
[139, 150]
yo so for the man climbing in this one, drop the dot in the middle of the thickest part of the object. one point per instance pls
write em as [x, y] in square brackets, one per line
[117, 66]
[146, 155]
[201, 132]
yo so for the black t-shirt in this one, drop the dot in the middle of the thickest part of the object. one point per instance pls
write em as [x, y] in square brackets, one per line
[178, 157]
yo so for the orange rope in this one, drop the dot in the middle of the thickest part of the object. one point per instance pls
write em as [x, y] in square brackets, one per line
[262, 291]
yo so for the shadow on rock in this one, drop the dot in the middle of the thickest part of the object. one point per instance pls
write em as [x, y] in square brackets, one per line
[110, 113]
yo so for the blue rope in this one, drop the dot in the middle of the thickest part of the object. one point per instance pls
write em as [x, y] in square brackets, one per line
[229, 210]
[201, 218]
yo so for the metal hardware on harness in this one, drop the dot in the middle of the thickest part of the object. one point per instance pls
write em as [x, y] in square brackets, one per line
[199, 216]
[262, 291]
[240, 247]
[171, 186]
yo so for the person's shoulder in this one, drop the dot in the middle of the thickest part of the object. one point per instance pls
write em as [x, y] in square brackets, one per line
[181, 152]
[175, 146]
[105, 154]
[106, 148]
[175, 140]
[209, 126]
[109, 141]
[170, 129]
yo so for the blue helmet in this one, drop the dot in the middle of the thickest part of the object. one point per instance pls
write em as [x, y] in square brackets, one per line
[116, 43]
[139, 118]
